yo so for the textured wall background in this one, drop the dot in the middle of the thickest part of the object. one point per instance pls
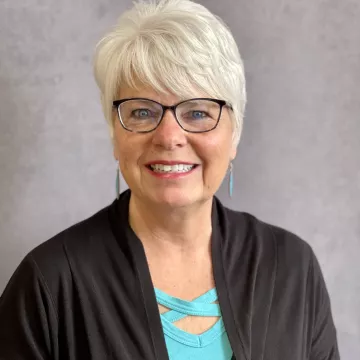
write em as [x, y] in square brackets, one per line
[298, 164]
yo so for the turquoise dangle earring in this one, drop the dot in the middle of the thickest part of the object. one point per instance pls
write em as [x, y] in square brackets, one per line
[231, 179]
[117, 185]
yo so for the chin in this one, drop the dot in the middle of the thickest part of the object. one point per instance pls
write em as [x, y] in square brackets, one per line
[175, 197]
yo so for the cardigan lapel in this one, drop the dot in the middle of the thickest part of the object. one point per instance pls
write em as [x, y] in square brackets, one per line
[138, 256]
[219, 235]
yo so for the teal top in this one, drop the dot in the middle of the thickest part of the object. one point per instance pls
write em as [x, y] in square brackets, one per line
[213, 344]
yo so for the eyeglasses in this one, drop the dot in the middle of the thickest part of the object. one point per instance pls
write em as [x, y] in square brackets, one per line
[142, 115]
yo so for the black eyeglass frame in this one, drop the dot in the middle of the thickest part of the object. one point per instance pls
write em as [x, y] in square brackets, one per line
[222, 103]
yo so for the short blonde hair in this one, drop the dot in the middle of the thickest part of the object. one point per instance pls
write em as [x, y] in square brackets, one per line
[171, 44]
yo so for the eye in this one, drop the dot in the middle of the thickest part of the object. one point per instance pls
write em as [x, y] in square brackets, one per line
[196, 114]
[142, 113]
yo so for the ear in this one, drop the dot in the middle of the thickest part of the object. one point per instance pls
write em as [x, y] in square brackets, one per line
[233, 153]
[115, 148]
[116, 157]
[114, 142]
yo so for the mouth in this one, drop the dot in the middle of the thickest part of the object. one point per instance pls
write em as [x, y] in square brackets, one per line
[171, 169]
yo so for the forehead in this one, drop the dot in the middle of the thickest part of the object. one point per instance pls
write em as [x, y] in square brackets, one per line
[166, 97]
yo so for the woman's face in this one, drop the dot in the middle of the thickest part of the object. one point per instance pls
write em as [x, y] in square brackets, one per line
[211, 152]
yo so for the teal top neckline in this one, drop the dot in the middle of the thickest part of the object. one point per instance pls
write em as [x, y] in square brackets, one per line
[179, 309]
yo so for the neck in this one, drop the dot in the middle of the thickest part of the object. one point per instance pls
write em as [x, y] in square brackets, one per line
[185, 228]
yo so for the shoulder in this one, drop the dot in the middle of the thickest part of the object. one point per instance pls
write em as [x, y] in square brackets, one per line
[278, 261]
[55, 258]
[269, 242]
[75, 238]
[281, 269]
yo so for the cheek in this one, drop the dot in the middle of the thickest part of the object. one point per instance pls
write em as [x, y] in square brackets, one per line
[127, 155]
[130, 151]
[218, 151]
[216, 156]
[217, 147]
[121, 148]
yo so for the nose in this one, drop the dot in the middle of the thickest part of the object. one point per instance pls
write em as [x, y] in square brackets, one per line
[169, 134]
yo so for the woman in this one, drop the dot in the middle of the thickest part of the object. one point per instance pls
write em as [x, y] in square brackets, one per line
[166, 271]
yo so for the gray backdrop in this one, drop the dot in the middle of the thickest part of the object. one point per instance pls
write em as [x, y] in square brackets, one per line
[298, 164]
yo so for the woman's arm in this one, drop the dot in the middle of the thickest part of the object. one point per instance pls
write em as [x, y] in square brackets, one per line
[28, 321]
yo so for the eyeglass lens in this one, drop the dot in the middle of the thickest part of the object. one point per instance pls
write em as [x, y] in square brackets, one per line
[197, 115]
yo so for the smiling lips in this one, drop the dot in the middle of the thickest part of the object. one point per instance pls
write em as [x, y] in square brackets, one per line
[178, 168]
[162, 167]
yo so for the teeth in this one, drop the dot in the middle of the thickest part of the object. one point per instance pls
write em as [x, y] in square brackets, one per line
[178, 168]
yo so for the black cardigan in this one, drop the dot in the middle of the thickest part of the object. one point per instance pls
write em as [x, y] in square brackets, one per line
[87, 294]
